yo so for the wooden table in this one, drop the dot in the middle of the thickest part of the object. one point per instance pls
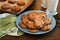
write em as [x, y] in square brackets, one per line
[53, 35]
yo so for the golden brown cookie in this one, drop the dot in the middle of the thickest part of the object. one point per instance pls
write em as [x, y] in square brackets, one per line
[47, 27]
[47, 20]
[15, 9]
[38, 23]
[25, 19]
[32, 15]
[5, 6]
[35, 30]
[30, 25]
[20, 3]
[22, 25]
[42, 14]
[11, 1]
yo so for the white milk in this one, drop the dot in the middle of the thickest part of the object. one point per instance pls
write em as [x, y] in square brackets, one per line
[51, 6]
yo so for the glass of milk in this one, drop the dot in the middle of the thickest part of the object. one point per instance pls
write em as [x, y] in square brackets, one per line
[51, 6]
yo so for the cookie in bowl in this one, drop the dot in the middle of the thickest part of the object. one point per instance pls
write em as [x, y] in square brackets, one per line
[30, 25]
[47, 21]
[22, 25]
[36, 26]
[42, 14]
[33, 30]
[35, 21]
[45, 28]
[25, 19]
[32, 15]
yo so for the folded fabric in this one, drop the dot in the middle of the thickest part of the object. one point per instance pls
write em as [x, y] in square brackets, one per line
[6, 20]
[2, 34]
[7, 25]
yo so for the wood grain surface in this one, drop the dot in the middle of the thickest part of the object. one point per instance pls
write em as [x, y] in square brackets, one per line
[53, 35]
[37, 5]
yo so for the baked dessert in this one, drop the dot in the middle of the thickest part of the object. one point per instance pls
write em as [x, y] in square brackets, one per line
[21, 3]
[42, 14]
[25, 19]
[15, 9]
[30, 25]
[47, 21]
[47, 27]
[33, 30]
[36, 21]
[22, 25]
[12, 6]
[5, 6]
[32, 15]
[11, 1]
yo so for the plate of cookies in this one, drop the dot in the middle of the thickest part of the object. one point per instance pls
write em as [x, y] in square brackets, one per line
[35, 22]
[14, 6]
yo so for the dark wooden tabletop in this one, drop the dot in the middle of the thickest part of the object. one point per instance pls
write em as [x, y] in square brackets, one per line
[53, 35]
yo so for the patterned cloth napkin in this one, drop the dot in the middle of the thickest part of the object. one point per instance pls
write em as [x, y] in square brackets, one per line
[8, 26]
